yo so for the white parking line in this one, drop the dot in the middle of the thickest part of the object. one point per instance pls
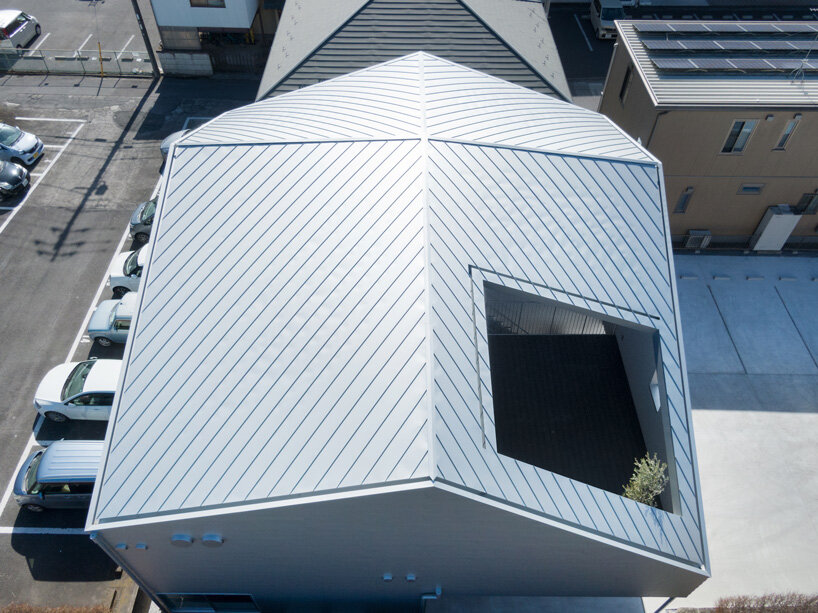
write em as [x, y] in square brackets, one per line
[40, 178]
[85, 41]
[40, 42]
[53, 146]
[49, 119]
[581, 29]
[125, 46]
[10, 488]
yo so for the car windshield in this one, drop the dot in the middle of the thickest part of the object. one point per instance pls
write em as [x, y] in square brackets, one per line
[76, 379]
[609, 14]
[148, 211]
[9, 135]
[131, 265]
[31, 475]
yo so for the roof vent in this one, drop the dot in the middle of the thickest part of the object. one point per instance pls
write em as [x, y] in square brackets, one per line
[212, 540]
[181, 540]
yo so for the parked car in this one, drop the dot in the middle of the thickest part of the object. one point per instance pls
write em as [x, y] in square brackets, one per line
[59, 477]
[126, 272]
[603, 15]
[19, 147]
[111, 320]
[13, 179]
[142, 220]
[18, 27]
[164, 147]
[78, 390]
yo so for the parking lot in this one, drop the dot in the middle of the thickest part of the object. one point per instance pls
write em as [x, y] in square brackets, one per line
[57, 240]
[80, 24]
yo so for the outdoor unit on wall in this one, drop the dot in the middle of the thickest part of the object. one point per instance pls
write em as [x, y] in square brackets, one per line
[697, 239]
[775, 228]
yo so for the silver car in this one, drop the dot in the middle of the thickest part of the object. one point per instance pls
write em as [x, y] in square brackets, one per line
[59, 477]
[19, 147]
[111, 320]
[142, 220]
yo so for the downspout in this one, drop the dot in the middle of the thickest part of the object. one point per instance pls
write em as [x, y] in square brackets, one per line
[424, 598]
[665, 604]
[653, 129]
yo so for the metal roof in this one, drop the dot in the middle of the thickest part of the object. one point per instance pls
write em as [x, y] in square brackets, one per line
[737, 64]
[308, 316]
[320, 39]
[74, 460]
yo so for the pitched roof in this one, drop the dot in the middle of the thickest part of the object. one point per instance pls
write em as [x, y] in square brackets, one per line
[725, 63]
[321, 39]
[308, 316]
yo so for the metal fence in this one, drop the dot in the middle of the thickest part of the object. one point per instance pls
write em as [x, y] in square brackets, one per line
[110, 63]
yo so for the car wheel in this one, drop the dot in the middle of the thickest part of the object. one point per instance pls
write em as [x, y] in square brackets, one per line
[37, 29]
[120, 291]
[104, 342]
[54, 416]
[34, 508]
[141, 238]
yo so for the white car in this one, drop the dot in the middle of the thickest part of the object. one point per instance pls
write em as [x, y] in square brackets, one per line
[78, 390]
[126, 272]
[18, 146]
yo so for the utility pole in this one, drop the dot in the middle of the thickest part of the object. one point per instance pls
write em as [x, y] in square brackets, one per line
[147, 41]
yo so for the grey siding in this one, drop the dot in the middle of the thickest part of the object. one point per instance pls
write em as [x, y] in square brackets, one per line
[387, 29]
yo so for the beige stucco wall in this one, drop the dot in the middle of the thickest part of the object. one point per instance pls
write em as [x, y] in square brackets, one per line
[689, 143]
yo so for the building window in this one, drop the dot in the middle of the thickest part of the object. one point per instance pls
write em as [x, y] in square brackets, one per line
[683, 201]
[785, 136]
[750, 189]
[739, 135]
[213, 4]
[626, 84]
[210, 603]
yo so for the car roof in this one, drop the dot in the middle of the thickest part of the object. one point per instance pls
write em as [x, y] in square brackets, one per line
[7, 16]
[70, 461]
[127, 305]
[103, 376]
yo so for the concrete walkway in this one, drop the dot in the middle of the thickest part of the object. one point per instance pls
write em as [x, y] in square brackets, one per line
[750, 326]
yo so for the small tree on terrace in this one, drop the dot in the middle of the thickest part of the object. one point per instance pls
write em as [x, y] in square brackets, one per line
[648, 481]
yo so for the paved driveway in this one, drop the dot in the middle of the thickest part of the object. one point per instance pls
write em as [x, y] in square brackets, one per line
[751, 338]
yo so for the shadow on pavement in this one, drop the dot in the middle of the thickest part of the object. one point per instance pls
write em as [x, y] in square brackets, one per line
[64, 558]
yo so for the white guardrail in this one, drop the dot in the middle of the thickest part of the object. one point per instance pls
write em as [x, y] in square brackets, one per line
[58, 61]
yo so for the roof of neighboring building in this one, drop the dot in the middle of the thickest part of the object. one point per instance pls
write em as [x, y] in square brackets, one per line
[725, 63]
[311, 319]
[317, 40]
[74, 460]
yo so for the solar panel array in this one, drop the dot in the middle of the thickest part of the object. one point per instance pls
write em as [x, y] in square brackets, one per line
[746, 47]
[727, 28]
[735, 64]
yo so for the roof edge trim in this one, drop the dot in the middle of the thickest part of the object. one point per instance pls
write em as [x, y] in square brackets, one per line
[96, 524]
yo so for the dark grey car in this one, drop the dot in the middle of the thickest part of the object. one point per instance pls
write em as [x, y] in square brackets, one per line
[61, 476]
[13, 179]
[142, 220]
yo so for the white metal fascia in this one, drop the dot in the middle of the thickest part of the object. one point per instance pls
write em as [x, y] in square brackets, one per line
[143, 520]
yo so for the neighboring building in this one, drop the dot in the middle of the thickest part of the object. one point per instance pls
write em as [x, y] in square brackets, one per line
[321, 39]
[403, 333]
[235, 33]
[730, 108]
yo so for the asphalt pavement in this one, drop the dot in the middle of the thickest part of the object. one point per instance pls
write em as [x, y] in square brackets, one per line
[56, 242]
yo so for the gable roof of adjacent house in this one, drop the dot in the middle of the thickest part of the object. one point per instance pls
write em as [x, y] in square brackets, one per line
[311, 318]
[320, 39]
[725, 63]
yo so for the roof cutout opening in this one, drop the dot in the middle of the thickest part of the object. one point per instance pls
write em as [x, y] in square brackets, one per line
[574, 392]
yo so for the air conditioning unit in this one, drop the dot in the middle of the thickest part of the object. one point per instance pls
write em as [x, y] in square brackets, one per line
[775, 228]
[697, 239]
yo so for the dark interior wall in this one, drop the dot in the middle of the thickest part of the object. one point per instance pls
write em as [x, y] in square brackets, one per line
[641, 359]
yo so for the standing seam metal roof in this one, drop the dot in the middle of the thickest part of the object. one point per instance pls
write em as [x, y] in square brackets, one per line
[505, 38]
[305, 322]
[713, 88]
